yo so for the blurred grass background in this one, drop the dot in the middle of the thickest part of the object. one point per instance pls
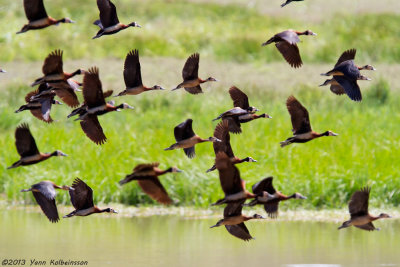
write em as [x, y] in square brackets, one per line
[228, 36]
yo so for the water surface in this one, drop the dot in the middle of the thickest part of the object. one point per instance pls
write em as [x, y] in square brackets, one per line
[113, 240]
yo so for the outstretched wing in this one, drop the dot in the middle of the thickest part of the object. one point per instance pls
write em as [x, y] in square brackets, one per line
[191, 69]
[92, 128]
[239, 98]
[132, 73]
[358, 205]
[222, 133]
[34, 10]
[92, 89]
[291, 53]
[82, 195]
[108, 13]
[299, 115]
[24, 141]
[155, 190]
[48, 206]
[264, 185]
[53, 63]
[184, 130]
[347, 55]
[240, 231]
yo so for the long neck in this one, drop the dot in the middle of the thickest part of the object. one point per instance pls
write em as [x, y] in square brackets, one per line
[160, 172]
[202, 81]
[201, 140]
[301, 33]
[60, 21]
[70, 75]
[97, 210]
[324, 133]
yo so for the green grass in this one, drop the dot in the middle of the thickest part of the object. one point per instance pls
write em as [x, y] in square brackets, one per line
[178, 28]
[326, 170]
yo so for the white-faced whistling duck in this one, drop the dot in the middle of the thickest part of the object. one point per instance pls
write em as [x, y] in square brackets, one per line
[229, 176]
[108, 22]
[27, 149]
[302, 131]
[81, 110]
[190, 74]
[234, 220]
[45, 194]
[60, 81]
[2, 70]
[289, 1]
[359, 215]
[133, 76]
[222, 133]
[270, 197]
[82, 200]
[187, 139]
[286, 42]
[37, 16]
[147, 177]
[345, 76]
[41, 106]
[96, 105]
[232, 117]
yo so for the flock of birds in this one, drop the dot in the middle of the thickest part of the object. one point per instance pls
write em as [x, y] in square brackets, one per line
[56, 82]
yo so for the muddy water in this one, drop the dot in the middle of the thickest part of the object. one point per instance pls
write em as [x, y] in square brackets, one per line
[113, 240]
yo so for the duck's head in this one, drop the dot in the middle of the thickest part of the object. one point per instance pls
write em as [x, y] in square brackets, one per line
[67, 20]
[367, 67]
[299, 196]
[250, 159]
[364, 78]
[213, 139]
[327, 82]
[265, 116]
[157, 87]
[125, 106]
[384, 216]
[308, 32]
[252, 109]
[257, 216]
[134, 24]
[211, 79]
[67, 188]
[110, 210]
[174, 170]
[59, 153]
[329, 133]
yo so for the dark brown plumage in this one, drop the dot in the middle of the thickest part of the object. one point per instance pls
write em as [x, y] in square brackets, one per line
[359, 215]
[222, 133]
[234, 220]
[133, 76]
[109, 22]
[96, 106]
[286, 42]
[345, 76]
[269, 197]
[27, 149]
[302, 131]
[187, 139]
[45, 193]
[231, 183]
[39, 103]
[82, 200]
[147, 177]
[190, 74]
[37, 16]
